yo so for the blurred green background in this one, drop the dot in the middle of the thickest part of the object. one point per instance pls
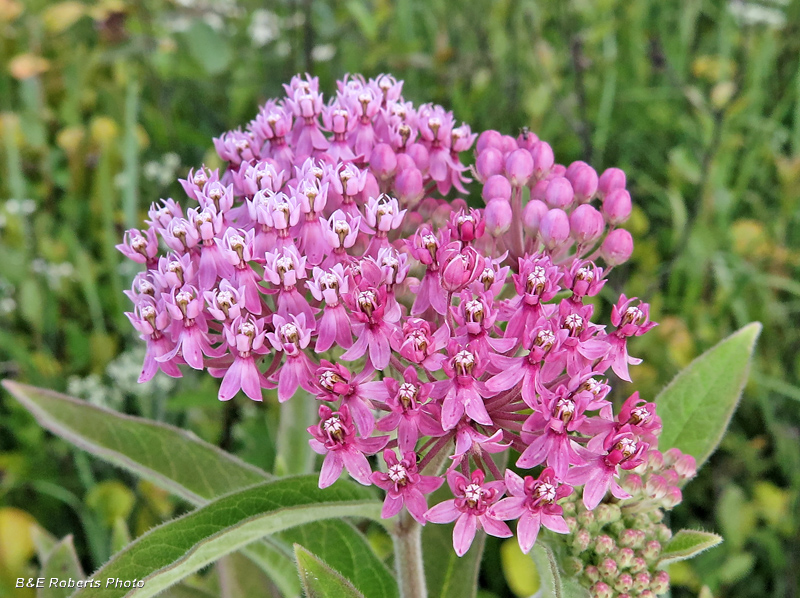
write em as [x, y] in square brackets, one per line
[104, 104]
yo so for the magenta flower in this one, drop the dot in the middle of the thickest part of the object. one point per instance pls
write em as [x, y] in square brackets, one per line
[286, 269]
[335, 382]
[419, 345]
[335, 438]
[334, 325]
[292, 336]
[533, 503]
[190, 327]
[463, 390]
[470, 509]
[141, 248]
[245, 337]
[404, 486]
[372, 326]
[630, 320]
[536, 283]
[151, 319]
[408, 415]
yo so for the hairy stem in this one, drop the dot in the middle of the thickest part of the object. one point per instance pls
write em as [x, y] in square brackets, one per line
[407, 538]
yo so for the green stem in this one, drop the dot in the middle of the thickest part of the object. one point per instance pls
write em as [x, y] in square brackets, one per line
[407, 538]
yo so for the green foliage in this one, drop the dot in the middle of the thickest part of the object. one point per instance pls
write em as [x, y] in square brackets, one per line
[320, 580]
[61, 563]
[553, 584]
[698, 404]
[687, 544]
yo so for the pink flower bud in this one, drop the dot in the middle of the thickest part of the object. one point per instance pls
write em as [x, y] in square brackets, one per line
[617, 206]
[655, 460]
[612, 178]
[419, 153]
[559, 193]
[633, 484]
[532, 216]
[673, 498]
[584, 181]
[460, 269]
[404, 161]
[617, 247]
[572, 168]
[497, 215]
[487, 139]
[519, 167]
[490, 162]
[660, 583]
[652, 550]
[581, 540]
[586, 224]
[509, 144]
[383, 161]
[496, 186]
[623, 583]
[371, 187]
[604, 545]
[642, 581]
[543, 159]
[602, 590]
[526, 139]
[554, 229]
[625, 557]
[591, 573]
[686, 466]
[608, 568]
[409, 187]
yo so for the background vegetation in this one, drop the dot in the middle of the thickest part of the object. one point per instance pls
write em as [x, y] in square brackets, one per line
[104, 104]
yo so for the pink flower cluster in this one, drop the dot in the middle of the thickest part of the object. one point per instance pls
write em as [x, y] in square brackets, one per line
[326, 257]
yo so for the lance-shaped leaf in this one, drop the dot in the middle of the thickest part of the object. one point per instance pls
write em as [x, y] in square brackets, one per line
[347, 551]
[61, 564]
[320, 580]
[687, 544]
[697, 405]
[168, 553]
[553, 585]
[171, 458]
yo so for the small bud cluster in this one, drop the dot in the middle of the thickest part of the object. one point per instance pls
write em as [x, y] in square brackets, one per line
[326, 256]
[616, 548]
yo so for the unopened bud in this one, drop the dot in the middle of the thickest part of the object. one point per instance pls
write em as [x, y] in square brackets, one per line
[543, 159]
[673, 498]
[586, 519]
[409, 187]
[651, 551]
[559, 193]
[660, 583]
[617, 247]
[607, 513]
[656, 487]
[604, 545]
[591, 573]
[632, 484]
[623, 583]
[581, 540]
[498, 216]
[663, 533]
[617, 206]
[602, 590]
[641, 581]
[519, 167]
[638, 565]
[532, 216]
[487, 139]
[573, 566]
[383, 161]
[655, 460]
[489, 163]
[586, 224]
[496, 187]
[554, 229]
[612, 178]
[625, 557]
[584, 181]
[608, 568]
[572, 524]
[686, 466]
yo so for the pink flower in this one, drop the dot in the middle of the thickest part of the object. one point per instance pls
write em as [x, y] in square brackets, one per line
[334, 325]
[335, 438]
[371, 325]
[408, 415]
[335, 382]
[292, 336]
[462, 391]
[404, 486]
[470, 509]
[532, 501]
[245, 337]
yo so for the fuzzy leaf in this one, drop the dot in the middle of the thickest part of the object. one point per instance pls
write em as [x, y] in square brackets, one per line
[552, 583]
[168, 553]
[320, 580]
[697, 405]
[686, 544]
[62, 563]
[171, 458]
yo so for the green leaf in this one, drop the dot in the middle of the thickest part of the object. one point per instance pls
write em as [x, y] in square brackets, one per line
[62, 563]
[319, 579]
[686, 544]
[552, 583]
[346, 550]
[276, 560]
[447, 575]
[178, 548]
[239, 577]
[210, 49]
[697, 405]
[171, 458]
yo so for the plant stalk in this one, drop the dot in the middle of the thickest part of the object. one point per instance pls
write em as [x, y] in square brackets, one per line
[407, 538]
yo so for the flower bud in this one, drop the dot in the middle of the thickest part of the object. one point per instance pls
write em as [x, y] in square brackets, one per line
[623, 583]
[617, 206]
[655, 460]
[591, 573]
[631, 538]
[569, 506]
[497, 216]
[581, 540]
[460, 269]
[673, 498]
[632, 484]
[586, 224]
[638, 565]
[584, 181]
[641, 581]
[607, 513]
[604, 545]
[686, 466]
[602, 590]
[612, 178]
[663, 533]
[509, 144]
[554, 229]
[526, 139]
[656, 487]
[371, 187]
[487, 139]
[647, 594]
[489, 162]
[409, 187]
[532, 216]
[660, 583]
[496, 186]
[519, 167]
[383, 161]
[570, 171]
[608, 568]
[586, 519]
[543, 159]
[573, 566]
[625, 557]
[419, 153]
[651, 551]
[617, 247]
[559, 193]
[572, 524]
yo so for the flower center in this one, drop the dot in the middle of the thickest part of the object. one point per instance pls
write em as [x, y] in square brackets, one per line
[474, 310]
[546, 492]
[565, 409]
[407, 394]
[464, 362]
[573, 323]
[633, 315]
[537, 280]
[585, 274]
[366, 301]
[545, 339]
[333, 428]
[473, 493]
[328, 380]
[639, 415]
[627, 446]
[398, 474]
